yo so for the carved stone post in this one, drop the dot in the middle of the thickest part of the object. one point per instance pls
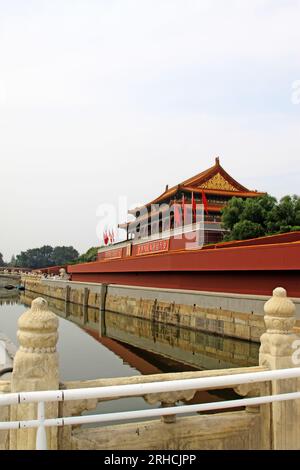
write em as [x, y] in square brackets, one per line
[169, 399]
[277, 351]
[63, 274]
[35, 368]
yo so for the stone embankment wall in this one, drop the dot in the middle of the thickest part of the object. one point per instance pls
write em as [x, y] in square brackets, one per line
[231, 315]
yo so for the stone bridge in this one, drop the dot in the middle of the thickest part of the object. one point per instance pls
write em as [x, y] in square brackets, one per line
[9, 279]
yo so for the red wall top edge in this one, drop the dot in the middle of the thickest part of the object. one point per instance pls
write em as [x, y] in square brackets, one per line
[271, 239]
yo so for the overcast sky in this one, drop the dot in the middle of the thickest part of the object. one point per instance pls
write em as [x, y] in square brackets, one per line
[101, 98]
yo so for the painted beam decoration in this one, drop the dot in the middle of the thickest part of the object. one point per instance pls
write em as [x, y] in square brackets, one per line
[156, 246]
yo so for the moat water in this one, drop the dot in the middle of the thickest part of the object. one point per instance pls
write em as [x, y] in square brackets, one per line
[93, 345]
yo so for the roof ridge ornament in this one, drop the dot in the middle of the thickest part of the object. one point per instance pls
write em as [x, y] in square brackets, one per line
[218, 161]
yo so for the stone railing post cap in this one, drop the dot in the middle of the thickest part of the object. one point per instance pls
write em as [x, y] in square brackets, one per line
[279, 292]
[38, 317]
[279, 305]
[39, 304]
[38, 328]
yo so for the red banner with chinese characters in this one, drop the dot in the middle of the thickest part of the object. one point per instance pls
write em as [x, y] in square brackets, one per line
[152, 247]
[113, 254]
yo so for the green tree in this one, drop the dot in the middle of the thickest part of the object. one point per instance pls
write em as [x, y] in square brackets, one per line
[250, 218]
[257, 210]
[285, 216]
[232, 212]
[90, 255]
[35, 258]
[13, 261]
[46, 256]
[246, 229]
[1, 260]
[64, 255]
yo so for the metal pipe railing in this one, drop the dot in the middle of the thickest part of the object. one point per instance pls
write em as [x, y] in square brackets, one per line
[132, 390]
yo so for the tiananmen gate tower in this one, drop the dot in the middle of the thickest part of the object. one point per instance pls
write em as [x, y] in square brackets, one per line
[215, 185]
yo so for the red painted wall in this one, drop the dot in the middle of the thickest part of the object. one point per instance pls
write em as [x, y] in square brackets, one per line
[52, 269]
[252, 269]
[253, 258]
[255, 282]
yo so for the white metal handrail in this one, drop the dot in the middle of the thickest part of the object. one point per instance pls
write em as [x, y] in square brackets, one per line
[203, 383]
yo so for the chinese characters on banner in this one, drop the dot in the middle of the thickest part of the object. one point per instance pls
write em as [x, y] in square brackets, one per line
[152, 247]
[113, 254]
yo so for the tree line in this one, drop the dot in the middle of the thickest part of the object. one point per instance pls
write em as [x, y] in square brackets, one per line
[47, 256]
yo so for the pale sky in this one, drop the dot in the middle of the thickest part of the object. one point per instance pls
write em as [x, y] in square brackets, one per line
[101, 98]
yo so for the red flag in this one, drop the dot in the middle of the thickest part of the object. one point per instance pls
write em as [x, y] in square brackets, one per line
[177, 215]
[204, 202]
[194, 206]
[105, 237]
[183, 208]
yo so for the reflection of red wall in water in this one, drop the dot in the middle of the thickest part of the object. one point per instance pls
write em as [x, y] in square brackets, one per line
[128, 357]
[146, 368]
